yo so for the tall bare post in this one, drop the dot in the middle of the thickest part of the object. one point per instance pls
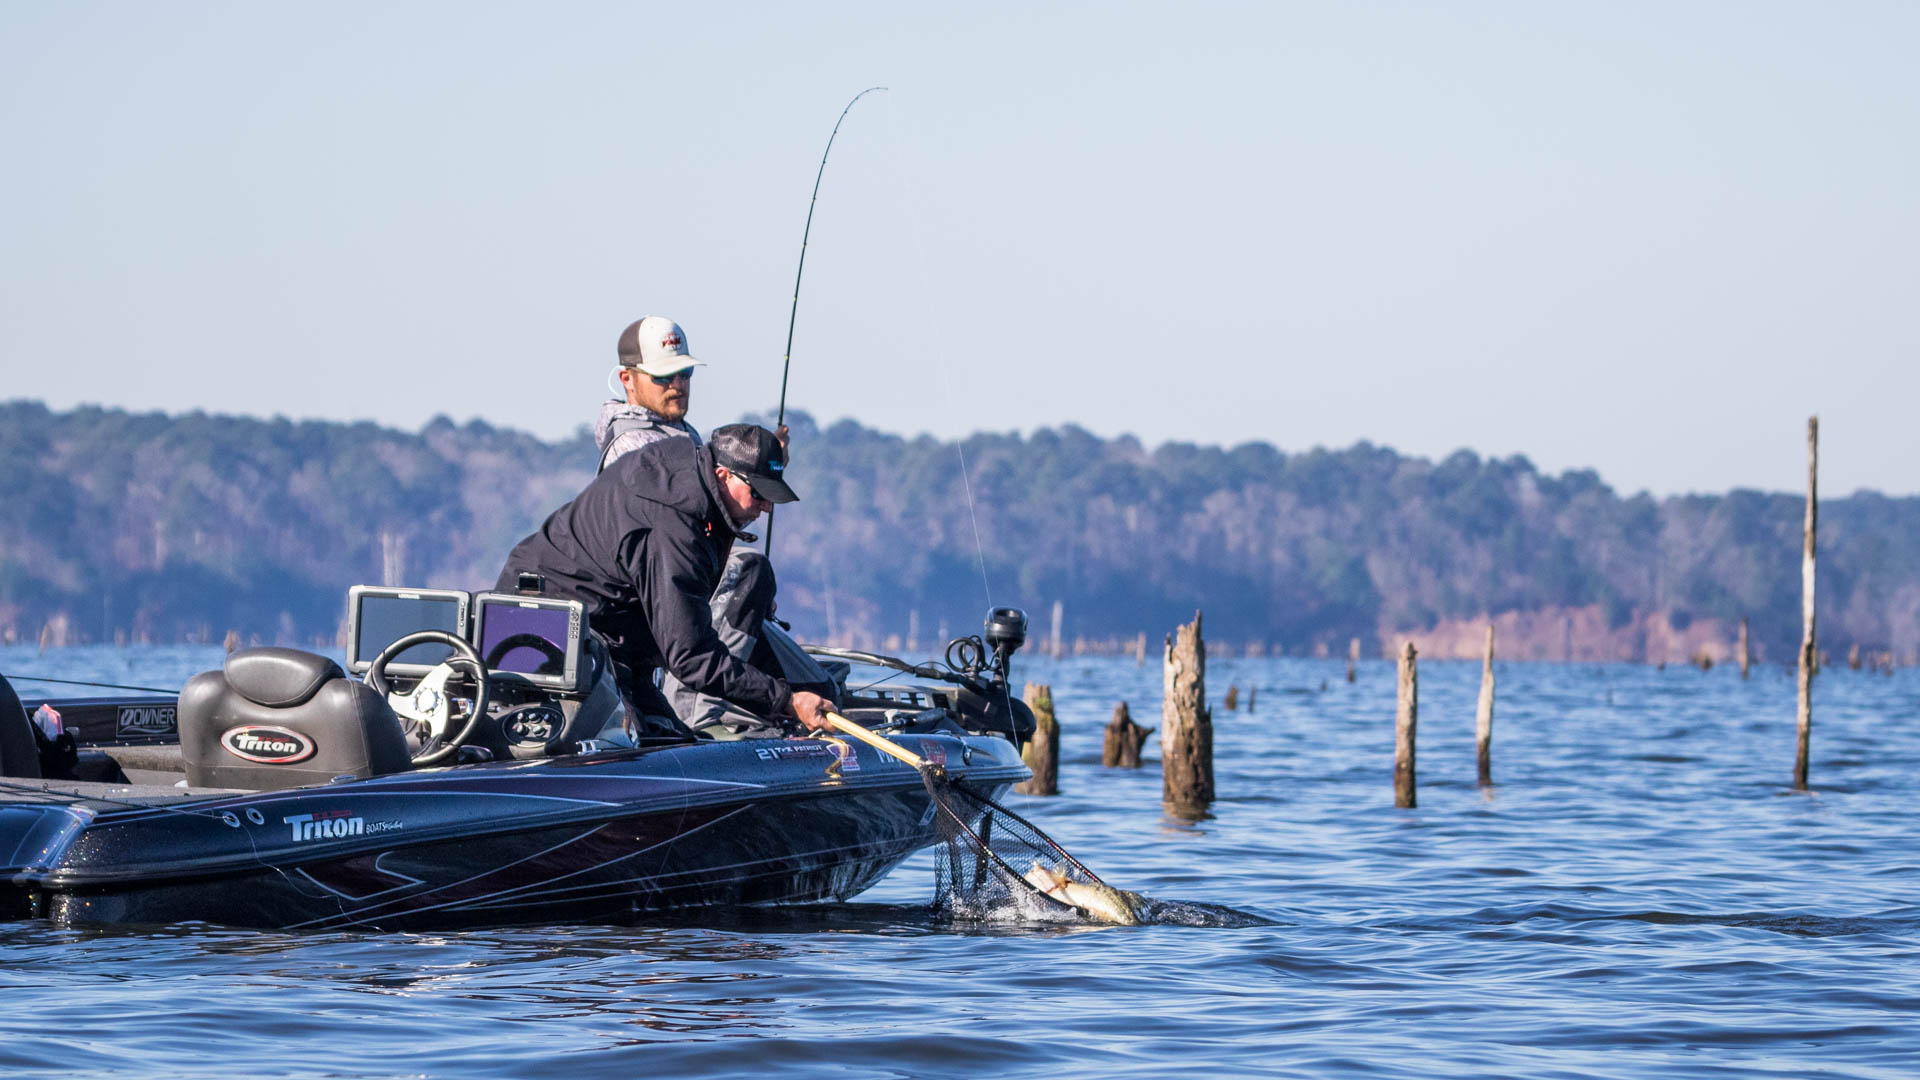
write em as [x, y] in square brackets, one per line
[1140, 648]
[1405, 720]
[1483, 725]
[1746, 653]
[1353, 657]
[1053, 639]
[1042, 753]
[1186, 726]
[1232, 700]
[1121, 750]
[1809, 655]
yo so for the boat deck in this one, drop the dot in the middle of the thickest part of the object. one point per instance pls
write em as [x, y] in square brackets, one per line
[16, 791]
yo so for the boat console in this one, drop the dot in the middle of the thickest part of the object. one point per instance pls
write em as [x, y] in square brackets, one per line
[446, 677]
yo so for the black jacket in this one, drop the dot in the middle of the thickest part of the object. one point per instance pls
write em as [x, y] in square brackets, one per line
[643, 546]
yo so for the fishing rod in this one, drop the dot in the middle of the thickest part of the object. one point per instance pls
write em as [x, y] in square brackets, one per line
[792, 316]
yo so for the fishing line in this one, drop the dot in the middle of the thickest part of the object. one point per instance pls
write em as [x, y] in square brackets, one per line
[81, 682]
[946, 370]
[979, 549]
[794, 314]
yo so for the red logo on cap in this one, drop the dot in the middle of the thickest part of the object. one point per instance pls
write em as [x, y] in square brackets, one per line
[671, 341]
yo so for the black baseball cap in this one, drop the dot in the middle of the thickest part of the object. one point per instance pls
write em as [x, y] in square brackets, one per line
[755, 455]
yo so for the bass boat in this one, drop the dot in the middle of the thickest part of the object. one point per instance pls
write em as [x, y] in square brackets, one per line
[466, 778]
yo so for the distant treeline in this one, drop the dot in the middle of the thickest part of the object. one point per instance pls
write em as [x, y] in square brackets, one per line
[154, 527]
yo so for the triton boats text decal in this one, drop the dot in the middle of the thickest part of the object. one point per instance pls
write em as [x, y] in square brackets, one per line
[333, 825]
[267, 744]
[144, 720]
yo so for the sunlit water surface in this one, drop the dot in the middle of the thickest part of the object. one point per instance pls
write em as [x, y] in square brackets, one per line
[1640, 896]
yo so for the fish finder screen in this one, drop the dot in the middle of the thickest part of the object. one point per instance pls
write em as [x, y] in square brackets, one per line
[386, 618]
[527, 640]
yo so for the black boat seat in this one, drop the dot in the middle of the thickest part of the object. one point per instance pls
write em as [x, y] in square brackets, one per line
[276, 718]
[19, 750]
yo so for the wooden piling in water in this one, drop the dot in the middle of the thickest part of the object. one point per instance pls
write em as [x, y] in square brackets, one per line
[1186, 725]
[1121, 749]
[1353, 657]
[1253, 688]
[1809, 651]
[1042, 752]
[1232, 701]
[1406, 719]
[1140, 649]
[1746, 654]
[1853, 657]
[1483, 721]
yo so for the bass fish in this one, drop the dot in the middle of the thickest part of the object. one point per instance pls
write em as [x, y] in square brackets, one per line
[1099, 901]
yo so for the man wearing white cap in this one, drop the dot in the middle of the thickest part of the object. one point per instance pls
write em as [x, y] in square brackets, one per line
[657, 372]
[656, 369]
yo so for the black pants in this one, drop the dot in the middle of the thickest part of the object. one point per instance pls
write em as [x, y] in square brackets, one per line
[649, 714]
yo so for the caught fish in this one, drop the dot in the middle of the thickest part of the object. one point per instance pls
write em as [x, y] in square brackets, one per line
[1099, 901]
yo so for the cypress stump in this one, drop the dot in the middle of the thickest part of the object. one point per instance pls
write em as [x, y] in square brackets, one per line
[1406, 719]
[1121, 750]
[1186, 726]
[1042, 753]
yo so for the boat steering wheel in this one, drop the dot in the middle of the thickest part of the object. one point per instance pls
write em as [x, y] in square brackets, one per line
[430, 705]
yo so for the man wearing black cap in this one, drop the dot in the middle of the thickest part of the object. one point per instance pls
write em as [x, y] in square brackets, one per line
[643, 546]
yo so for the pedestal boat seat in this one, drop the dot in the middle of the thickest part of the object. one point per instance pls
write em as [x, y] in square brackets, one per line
[275, 718]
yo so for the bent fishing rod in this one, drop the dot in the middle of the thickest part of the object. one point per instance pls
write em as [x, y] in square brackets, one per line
[787, 363]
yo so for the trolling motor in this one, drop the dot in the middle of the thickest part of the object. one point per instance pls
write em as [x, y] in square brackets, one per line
[1006, 632]
[984, 664]
[972, 656]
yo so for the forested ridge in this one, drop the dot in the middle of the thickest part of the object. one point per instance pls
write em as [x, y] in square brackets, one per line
[153, 527]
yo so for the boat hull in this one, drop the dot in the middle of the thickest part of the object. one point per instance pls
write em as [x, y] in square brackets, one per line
[606, 837]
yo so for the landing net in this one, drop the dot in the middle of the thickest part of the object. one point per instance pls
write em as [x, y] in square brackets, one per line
[996, 865]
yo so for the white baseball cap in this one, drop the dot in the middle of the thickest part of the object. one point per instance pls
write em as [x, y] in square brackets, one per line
[657, 346]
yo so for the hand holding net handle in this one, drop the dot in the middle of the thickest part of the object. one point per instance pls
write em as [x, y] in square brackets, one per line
[878, 742]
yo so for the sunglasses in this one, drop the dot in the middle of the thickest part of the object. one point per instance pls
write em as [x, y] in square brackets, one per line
[742, 477]
[668, 380]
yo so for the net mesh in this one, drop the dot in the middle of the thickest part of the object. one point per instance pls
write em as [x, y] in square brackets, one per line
[995, 865]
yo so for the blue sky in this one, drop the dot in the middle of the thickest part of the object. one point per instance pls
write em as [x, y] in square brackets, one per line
[1648, 239]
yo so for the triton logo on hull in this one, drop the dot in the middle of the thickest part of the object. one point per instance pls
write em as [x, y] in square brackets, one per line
[267, 744]
[325, 825]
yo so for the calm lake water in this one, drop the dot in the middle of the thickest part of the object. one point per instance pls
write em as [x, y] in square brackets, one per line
[1641, 896]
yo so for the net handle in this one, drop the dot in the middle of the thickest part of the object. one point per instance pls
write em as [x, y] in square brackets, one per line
[878, 742]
